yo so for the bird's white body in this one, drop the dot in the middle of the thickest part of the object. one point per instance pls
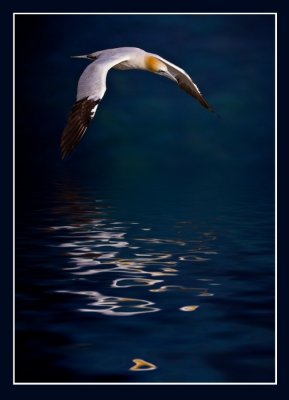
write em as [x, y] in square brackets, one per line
[134, 58]
[92, 83]
[92, 86]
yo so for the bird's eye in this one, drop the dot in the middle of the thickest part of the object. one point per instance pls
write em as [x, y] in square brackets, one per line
[161, 71]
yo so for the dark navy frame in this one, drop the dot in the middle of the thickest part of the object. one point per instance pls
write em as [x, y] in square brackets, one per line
[10, 391]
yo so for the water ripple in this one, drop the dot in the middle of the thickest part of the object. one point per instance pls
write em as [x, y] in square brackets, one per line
[134, 282]
[116, 253]
[111, 305]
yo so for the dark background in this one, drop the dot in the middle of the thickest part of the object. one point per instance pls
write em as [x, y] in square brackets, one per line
[6, 202]
[146, 124]
[151, 150]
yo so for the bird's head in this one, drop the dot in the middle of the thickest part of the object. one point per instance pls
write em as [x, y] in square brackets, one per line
[156, 66]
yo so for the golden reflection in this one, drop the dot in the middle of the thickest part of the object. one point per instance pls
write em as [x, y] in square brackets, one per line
[142, 365]
[169, 270]
[189, 308]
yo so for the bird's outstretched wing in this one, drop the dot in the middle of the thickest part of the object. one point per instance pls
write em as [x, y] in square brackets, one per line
[78, 121]
[185, 82]
[90, 91]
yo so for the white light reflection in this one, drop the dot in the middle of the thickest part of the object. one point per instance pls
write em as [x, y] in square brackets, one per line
[131, 282]
[114, 306]
[108, 246]
[193, 258]
[199, 291]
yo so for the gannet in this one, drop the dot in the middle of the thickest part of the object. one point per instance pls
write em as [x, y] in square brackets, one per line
[92, 86]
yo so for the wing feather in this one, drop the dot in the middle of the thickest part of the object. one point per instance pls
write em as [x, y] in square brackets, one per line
[186, 83]
[77, 124]
[90, 90]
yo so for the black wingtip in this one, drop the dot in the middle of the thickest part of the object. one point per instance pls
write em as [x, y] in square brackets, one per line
[79, 119]
[63, 156]
[64, 153]
[211, 109]
[215, 113]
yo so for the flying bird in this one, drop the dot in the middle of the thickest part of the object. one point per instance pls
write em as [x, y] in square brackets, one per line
[92, 86]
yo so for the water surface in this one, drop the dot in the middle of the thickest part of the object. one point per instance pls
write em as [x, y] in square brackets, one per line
[183, 280]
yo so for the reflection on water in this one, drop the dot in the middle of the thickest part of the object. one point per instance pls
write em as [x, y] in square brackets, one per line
[96, 247]
[118, 306]
[141, 365]
[199, 291]
[134, 282]
[189, 286]
[189, 308]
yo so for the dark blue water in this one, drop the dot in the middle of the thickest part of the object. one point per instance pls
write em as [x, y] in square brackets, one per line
[103, 277]
[155, 240]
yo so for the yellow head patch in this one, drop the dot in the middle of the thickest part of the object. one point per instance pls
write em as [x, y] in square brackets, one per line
[153, 64]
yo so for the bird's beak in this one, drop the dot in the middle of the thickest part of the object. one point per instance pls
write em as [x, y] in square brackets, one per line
[85, 56]
[167, 74]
